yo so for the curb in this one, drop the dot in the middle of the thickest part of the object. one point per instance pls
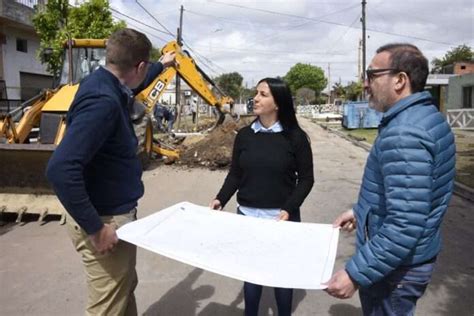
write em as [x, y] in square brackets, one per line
[464, 191]
[356, 142]
[460, 189]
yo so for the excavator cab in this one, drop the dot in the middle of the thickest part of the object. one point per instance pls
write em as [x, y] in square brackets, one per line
[84, 61]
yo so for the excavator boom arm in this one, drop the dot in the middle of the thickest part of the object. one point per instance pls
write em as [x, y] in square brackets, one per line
[187, 69]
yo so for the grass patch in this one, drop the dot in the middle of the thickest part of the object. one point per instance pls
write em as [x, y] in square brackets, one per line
[464, 150]
[363, 134]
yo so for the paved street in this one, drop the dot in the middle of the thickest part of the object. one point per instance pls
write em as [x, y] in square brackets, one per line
[40, 274]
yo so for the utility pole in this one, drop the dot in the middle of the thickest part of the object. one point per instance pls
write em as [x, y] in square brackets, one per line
[179, 39]
[359, 69]
[329, 83]
[364, 46]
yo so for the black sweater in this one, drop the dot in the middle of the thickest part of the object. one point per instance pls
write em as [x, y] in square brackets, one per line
[270, 170]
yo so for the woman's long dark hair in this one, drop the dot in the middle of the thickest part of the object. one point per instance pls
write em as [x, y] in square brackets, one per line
[282, 95]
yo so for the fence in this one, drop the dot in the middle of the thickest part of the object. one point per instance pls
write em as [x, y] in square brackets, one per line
[311, 109]
[461, 118]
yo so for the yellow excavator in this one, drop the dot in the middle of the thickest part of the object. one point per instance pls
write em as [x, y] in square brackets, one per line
[30, 133]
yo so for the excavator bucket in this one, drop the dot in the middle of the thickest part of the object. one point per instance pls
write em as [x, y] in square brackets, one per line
[24, 189]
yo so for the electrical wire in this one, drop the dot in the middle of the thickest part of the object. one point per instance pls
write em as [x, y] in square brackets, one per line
[330, 22]
[272, 52]
[138, 21]
[201, 57]
[342, 36]
[138, 28]
[318, 20]
[153, 17]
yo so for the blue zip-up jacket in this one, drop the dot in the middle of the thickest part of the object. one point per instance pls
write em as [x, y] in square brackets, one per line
[406, 187]
[95, 170]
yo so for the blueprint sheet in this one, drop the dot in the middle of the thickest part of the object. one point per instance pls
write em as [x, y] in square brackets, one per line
[267, 252]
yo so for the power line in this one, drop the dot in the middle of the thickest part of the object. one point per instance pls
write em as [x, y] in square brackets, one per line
[140, 22]
[342, 36]
[201, 58]
[153, 17]
[205, 58]
[272, 52]
[309, 63]
[280, 13]
[140, 29]
[218, 17]
[158, 30]
[328, 22]
[318, 19]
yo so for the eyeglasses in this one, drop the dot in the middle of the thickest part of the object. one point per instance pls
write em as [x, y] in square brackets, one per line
[371, 73]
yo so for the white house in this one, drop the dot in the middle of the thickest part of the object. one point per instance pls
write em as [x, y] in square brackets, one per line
[21, 72]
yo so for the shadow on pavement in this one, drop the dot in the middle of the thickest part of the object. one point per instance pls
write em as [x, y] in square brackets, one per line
[6, 227]
[453, 278]
[344, 310]
[182, 299]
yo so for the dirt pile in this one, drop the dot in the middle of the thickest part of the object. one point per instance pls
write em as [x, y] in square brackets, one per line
[215, 149]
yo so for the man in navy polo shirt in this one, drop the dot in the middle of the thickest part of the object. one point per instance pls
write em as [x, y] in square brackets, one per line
[96, 173]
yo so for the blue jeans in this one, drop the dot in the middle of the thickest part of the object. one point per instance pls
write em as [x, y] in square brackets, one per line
[397, 293]
[253, 293]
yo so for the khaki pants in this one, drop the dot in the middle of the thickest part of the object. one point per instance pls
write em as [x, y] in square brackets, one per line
[111, 278]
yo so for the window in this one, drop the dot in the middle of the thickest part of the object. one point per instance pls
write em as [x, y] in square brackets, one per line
[22, 45]
[467, 96]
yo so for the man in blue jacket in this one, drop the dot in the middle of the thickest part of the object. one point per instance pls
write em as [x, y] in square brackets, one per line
[405, 191]
[96, 173]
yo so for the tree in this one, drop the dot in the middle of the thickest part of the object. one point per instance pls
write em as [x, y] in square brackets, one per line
[339, 90]
[460, 53]
[155, 54]
[58, 21]
[353, 91]
[230, 83]
[305, 96]
[246, 93]
[306, 76]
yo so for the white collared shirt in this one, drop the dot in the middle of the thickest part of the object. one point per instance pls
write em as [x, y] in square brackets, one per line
[258, 127]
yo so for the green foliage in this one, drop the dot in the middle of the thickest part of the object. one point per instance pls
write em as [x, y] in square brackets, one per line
[353, 91]
[58, 21]
[339, 90]
[92, 19]
[306, 76]
[460, 53]
[305, 96]
[246, 94]
[230, 83]
[155, 54]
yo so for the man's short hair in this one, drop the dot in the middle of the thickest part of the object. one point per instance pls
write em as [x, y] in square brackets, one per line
[409, 59]
[126, 48]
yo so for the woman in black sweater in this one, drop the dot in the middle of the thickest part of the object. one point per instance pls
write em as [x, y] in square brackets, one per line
[272, 170]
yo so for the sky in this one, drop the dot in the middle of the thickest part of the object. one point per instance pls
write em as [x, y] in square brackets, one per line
[266, 38]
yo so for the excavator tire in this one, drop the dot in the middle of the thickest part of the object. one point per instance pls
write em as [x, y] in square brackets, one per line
[144, 132]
